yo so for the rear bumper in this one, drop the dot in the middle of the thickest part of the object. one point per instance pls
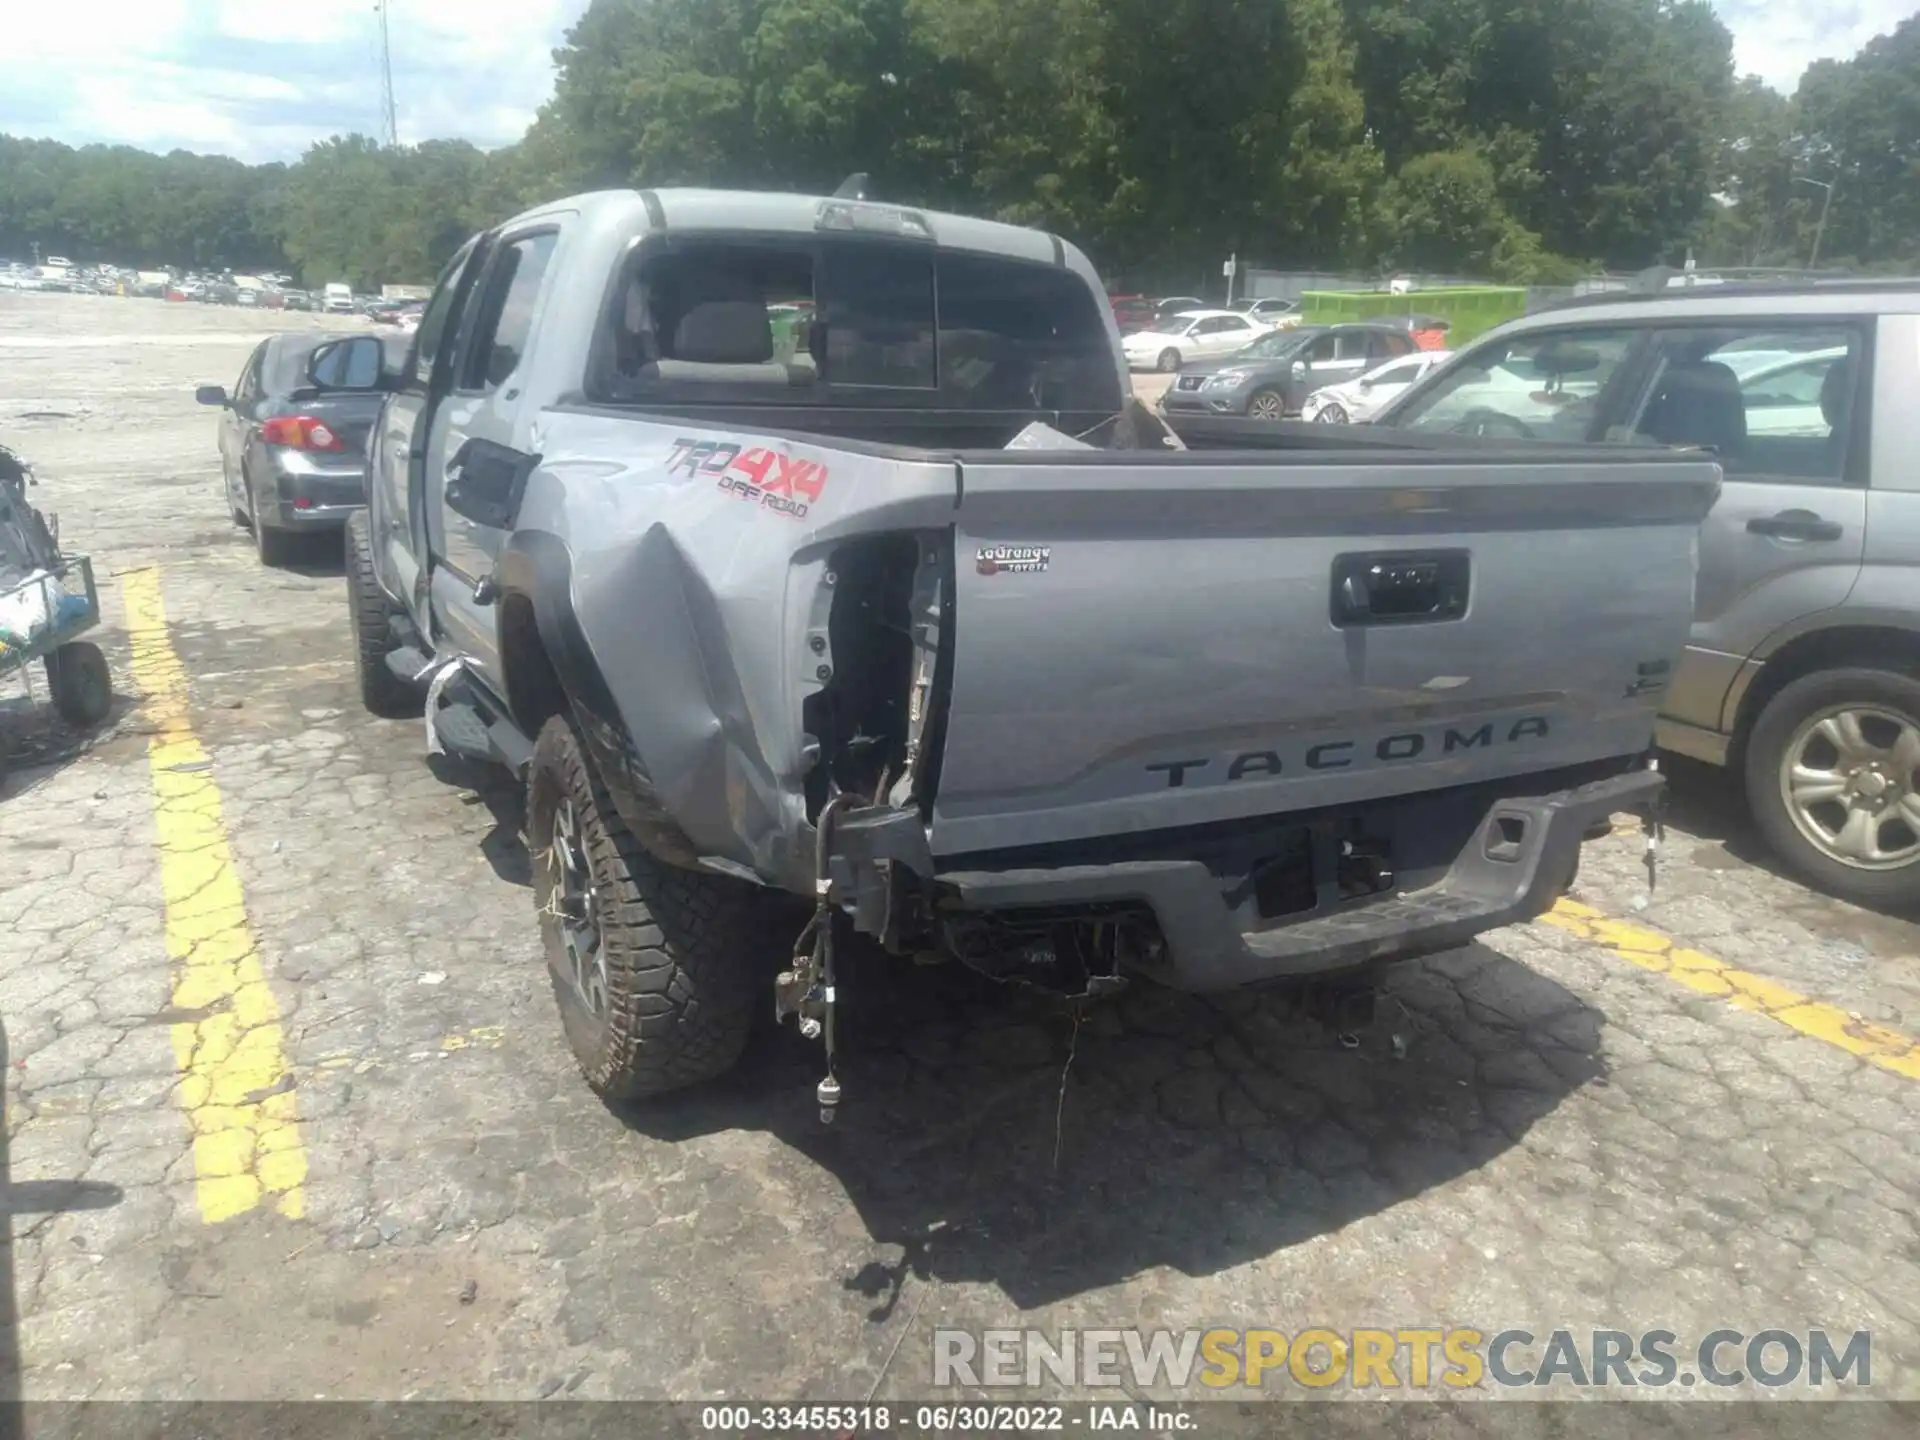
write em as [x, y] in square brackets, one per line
[1515, 863]
[308, 496]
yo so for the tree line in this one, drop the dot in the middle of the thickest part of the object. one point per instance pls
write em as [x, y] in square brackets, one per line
[1522, 140]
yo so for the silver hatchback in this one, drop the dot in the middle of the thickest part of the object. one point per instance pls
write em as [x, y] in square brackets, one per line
[1803, 672]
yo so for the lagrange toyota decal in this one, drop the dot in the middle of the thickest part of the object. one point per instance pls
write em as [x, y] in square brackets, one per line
[771, 480]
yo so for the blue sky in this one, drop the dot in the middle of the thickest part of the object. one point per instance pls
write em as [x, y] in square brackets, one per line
[235, 77]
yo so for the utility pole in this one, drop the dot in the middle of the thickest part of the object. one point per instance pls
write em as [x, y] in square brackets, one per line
[388, 113]
[1820, 230]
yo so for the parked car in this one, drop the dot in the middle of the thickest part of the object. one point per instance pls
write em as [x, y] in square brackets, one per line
[1271, 378]
[1176, 339]
[1173, 739]
[293, 433]
[338, 298]
[1133, 312]
[297, 299]
[1271, 312]
[1168, 306]
[1358, 401]
[1803, 672]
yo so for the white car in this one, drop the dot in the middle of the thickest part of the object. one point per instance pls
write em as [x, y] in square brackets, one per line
[1192, 334]
[1359, 400]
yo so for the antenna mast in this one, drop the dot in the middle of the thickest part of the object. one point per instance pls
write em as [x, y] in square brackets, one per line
[388, 113]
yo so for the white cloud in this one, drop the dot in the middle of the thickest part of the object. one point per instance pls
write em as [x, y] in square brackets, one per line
[264, 82]
[1778, 39]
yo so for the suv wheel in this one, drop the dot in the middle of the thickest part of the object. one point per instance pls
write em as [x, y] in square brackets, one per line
[371, 613]
[1267, 405]
[1833, 778]
[652, 965]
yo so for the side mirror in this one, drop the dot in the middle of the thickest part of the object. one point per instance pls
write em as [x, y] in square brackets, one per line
[1299, 369]
[1366, 384]
[210, 395]
[355, 363]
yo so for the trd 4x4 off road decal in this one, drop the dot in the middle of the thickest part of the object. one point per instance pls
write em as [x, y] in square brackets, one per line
[774, 481]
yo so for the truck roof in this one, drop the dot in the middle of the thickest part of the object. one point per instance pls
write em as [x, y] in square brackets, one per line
[667, 210]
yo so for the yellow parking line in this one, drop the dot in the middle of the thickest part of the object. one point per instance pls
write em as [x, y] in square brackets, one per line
[235, 1082]
[1877, 1045]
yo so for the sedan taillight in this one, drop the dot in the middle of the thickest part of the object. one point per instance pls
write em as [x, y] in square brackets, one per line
[300, 432]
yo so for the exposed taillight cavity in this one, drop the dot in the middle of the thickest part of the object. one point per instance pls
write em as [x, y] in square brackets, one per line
[300, 432]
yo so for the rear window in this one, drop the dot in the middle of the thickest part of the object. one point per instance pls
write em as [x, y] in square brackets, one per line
[851, 322]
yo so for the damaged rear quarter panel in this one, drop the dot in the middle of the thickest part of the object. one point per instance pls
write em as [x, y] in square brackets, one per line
[695, 598]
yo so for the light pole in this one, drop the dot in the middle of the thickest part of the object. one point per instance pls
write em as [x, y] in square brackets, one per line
[1825, 205]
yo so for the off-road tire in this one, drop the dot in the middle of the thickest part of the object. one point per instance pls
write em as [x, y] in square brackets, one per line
[80, 683]
[682, 947]
[1766, 749]
[370, 613]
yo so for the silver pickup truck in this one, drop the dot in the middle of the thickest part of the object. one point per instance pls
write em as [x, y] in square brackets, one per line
[722, 517]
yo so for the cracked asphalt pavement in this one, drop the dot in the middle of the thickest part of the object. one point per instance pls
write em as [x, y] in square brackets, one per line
[289, 1112]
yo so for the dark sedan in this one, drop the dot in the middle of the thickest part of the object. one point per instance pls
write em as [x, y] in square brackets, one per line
[1272, 377]
[293, 434]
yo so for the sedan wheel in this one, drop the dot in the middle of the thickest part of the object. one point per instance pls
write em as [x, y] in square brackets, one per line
[1169, 361]
[1267, 405]
[1332, 413]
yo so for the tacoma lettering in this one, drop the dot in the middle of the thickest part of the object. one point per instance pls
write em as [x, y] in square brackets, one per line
[1338, 754]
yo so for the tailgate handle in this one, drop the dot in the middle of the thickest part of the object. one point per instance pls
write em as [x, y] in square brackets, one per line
[1400, 588]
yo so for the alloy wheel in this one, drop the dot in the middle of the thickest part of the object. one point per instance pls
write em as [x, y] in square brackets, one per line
[1848, 780]
[577, 909]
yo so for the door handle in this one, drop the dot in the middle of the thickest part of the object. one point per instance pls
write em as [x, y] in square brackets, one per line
[1795, 525]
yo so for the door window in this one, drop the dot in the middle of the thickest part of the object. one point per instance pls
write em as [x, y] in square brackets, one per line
[505, 319]
[1403, 374]
[1350, 346]
[1774, 404]
[246, 389]
[1324, 350]
[436, 321]
[1547, 384]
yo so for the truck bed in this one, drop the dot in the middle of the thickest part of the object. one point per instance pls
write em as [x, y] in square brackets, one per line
[1055, 647]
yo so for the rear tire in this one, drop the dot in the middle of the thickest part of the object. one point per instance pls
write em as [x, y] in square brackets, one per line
[371, 613]
[274, 547]
[1168, 362]
[81, 683]
[1875, 781]
[653, 966]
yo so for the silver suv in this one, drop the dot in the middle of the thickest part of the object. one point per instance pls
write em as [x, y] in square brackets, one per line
[1803, 671]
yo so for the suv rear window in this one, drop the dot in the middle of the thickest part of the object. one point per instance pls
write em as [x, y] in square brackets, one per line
[851, 322]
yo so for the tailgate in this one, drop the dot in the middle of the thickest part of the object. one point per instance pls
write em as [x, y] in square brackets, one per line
[1145, 644]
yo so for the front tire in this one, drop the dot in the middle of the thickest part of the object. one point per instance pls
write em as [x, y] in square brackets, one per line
[1833, 779]
[370, 614]
[1267, 405]
[653, 966]
[1332, 413]
[1168, 362]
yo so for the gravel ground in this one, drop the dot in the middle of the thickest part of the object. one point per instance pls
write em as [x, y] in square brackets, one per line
[1545, 1130]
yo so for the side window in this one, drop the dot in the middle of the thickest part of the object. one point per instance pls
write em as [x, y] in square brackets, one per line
[1351, 345]
[1384, 346]
[1774, 403]
[1323, 350]
[247, 388]
[1404, 374]
[505, 318]
[1547, 384]
[436, 319]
